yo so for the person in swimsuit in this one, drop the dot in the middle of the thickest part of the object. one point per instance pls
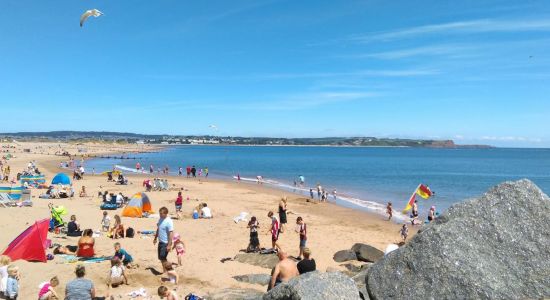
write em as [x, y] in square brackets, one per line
[404, 232]
[284, 270]
[282, 213]
[86, 244]
[179, 246]
[389, 211]
[179, 204]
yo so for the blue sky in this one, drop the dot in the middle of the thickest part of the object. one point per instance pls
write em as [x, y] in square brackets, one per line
[472, 71]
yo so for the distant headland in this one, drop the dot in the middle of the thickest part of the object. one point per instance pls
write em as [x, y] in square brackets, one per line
[166, 139]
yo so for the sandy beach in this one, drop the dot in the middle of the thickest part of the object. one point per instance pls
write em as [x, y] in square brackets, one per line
[330, 227]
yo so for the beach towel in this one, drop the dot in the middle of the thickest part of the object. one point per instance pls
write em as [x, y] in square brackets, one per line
[89, 260]
[138, 293]
[241, 217]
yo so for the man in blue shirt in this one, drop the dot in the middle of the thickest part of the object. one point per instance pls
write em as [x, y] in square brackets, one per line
[164, 235]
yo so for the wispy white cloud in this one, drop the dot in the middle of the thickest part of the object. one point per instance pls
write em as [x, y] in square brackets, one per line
[288, 102]
[450, 50]
[510, 139]
[296, 75]
[462, 27]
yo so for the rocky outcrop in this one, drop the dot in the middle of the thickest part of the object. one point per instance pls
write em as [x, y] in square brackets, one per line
[235, 294]
[493, 247]
[261, 260]
[261, 279]
[367, 253]
[344, 255]
[314, 286]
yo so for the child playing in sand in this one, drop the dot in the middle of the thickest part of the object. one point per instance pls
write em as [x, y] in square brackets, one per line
[173, 277]
[12, 284]
[47, 291]
[105, 222]
[389, 211]
[117, 274]
[123, 255]
[179, 246]
[404, 232]
[164, 292]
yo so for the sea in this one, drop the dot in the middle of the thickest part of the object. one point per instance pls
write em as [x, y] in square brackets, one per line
[365, 178]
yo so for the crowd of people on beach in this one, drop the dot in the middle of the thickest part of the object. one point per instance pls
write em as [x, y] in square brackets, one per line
[166, 240]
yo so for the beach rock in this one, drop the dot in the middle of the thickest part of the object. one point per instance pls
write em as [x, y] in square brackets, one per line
[367, 253]
[494, 247]
[344, 255]
[261, 279]
[235, 294]
[315, 285]
[261, 260]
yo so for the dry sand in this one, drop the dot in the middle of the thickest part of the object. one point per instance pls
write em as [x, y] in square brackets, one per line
[330, 227]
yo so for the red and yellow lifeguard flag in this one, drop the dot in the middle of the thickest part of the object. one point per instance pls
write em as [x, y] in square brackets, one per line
[424, 191]
[410, 203]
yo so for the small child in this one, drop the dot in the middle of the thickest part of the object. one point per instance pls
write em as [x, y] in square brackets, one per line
[47, 291]
[105, 222]
[173, 277]
[164, 292]
[179, 246]
[12, 283]
[117, 274]
[389, 211]
[122, 255]
[404, 232]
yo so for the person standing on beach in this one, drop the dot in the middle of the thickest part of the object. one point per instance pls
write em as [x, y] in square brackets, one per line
[194, 171]
[274, 230]
[311, 193]
[319, 189]
[206, 172]
[164, 235]
[415, 209]
[302, 230]
[188, 170]
[389, 211]
[151, 169]
[180, 171]
[282, 213]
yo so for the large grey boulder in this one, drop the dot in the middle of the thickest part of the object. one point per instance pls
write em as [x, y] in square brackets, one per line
[367, 253]
[261, 260]
[493, 247]
[261, 279]
[315, 286]
[344, 255]
[235, 294]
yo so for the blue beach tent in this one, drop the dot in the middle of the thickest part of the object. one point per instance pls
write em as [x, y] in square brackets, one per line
[61, 178]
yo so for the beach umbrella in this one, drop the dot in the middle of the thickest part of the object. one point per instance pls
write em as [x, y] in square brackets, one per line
[61, 178]
[89, 13]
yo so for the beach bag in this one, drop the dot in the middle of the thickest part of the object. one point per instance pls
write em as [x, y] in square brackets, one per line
[108, 206]
[130, 232]
[192, 297]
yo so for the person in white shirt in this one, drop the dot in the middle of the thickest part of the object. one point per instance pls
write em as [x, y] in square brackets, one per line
[205, 212]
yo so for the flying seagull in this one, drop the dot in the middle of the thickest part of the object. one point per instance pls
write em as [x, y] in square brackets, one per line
[89, 13]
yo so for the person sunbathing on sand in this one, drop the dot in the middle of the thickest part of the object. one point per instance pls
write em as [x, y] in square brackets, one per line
[86, 244]
[284, 270]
